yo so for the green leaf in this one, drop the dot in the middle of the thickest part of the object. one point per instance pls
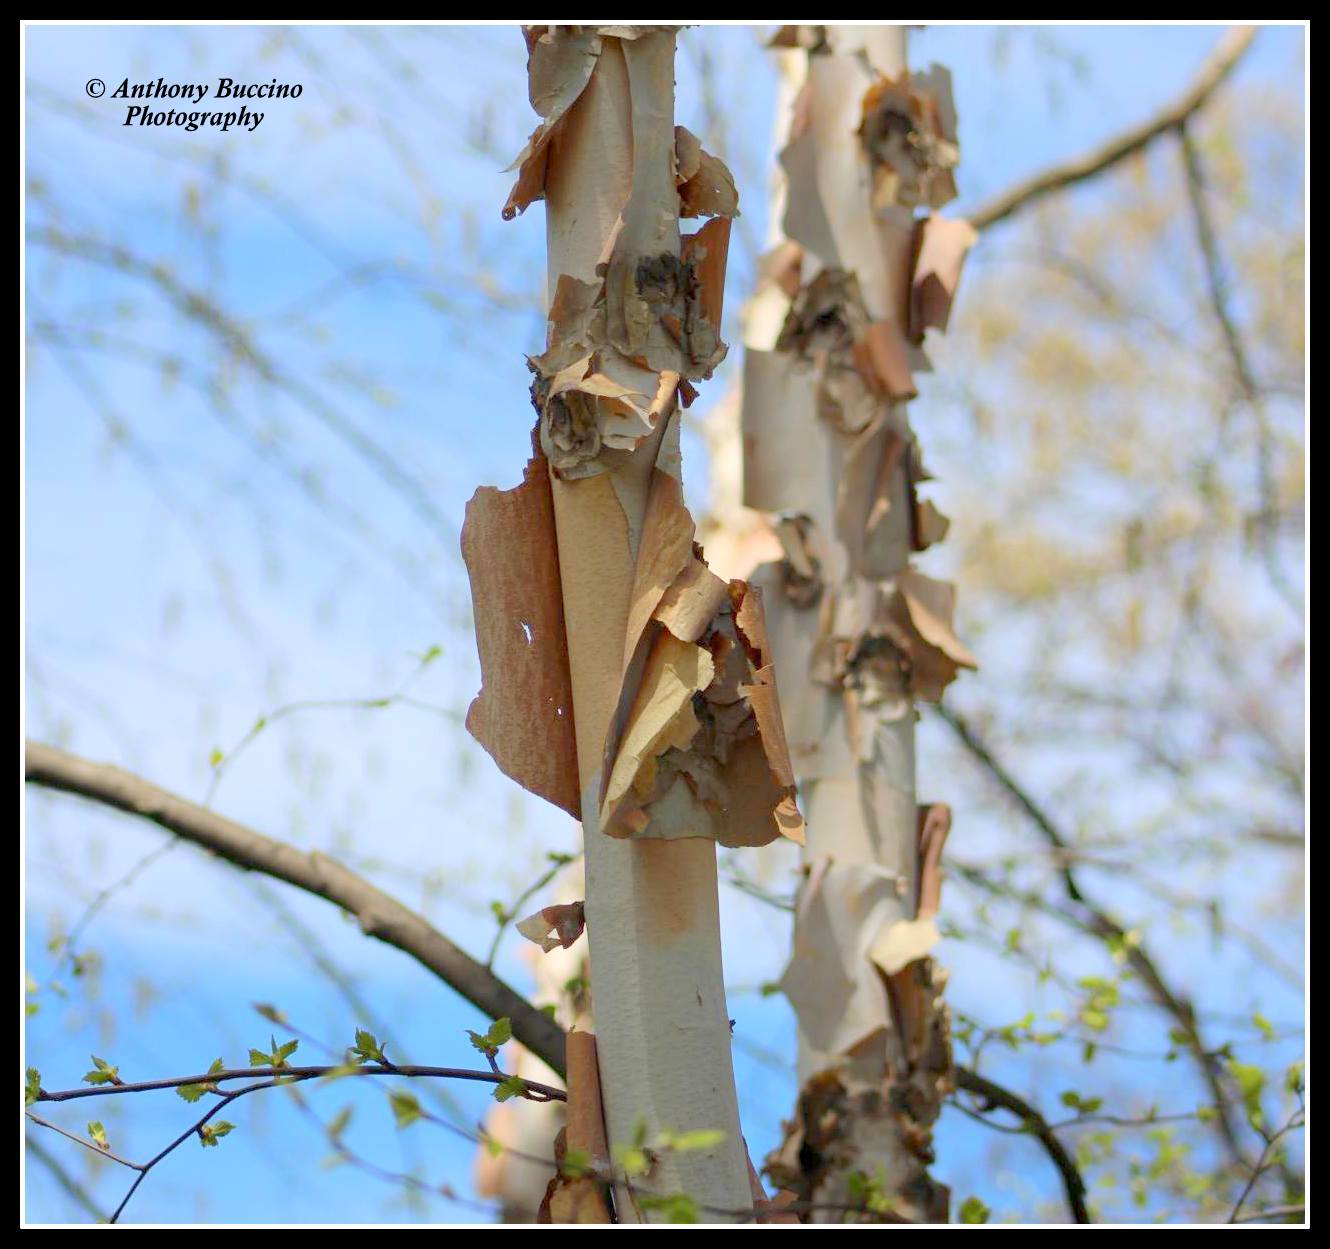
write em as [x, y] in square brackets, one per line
[216, 757]
[406, 1109]
[32, 1086]
[271, 1013]
[103, 1072]
[634, 1161]
[1266, 1028]
[677, 1207]
[211, 1133]
[367, 1048]
[687, 1142]
[974, 1211]
[1250, 1080]
[339, 1124]
[192, 1092]
[576, 1163]
[513, 1086]
[500, 1033]
[98, 1134]
[276, 1057]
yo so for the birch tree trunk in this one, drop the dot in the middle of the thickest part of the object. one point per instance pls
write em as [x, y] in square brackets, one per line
[833, 339]
[622, 679]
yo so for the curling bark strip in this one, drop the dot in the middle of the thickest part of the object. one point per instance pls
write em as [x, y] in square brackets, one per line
[621, 678]
[834, 341]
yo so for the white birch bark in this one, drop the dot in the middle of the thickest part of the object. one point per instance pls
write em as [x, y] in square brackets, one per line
[636, 668]
[830, 452]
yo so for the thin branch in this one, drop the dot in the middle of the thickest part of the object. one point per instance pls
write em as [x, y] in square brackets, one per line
[1207, 240]
[298, 1075]
[1099, 923]
[997, 1097]
[380, 915]
[1220, 64]
[80, 1195]
[1275, 1212]
[1267, 1160]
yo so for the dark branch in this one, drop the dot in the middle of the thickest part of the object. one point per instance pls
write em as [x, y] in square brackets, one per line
[380, 915]
[1213, 72]
[297, 1075]
[996, 1097]
[1095, 920]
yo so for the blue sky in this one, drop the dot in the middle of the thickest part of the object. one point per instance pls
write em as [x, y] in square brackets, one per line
[179, 583]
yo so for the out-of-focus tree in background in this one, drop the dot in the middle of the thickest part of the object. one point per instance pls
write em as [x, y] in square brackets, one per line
[265, 371]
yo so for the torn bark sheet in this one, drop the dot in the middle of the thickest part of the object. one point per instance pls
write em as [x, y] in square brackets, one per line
[554, 927]
[940, 248]
[577, 1196]
[933, 650]
[702, 751]
[695, 746]
[523, 715]
[909, 133]
[706, 188]
[907, 940]
[836, 992]
[560, 61]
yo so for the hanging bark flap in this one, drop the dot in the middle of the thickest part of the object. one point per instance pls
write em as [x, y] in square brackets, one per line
[932, 605]
[665, 551]
[708, 250]
[941, 246]
[706, 187]
[580, 1198]
[559, 65]
[835, 990]
[554, 926]
[661, 715]
[523, 715]
[888, 356]
[934, 825]
[903, 943]
[689, 606]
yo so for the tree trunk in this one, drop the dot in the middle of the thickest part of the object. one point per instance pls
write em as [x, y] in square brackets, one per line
[833, 338]
[637, 674]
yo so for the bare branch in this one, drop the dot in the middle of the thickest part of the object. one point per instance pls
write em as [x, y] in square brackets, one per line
[1095, 920]
[1225, 56]
[380, 915]
[1208, 241]
[994, 1096]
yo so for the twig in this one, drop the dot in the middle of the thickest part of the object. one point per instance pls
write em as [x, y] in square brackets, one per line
[1208, 241]
[1274, 1212]
[1265, 1161]
[1097, 922]
[1220, 64]
[62, 1177]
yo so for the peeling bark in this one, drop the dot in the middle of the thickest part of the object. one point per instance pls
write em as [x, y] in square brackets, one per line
[675, 728]
[834, 344]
